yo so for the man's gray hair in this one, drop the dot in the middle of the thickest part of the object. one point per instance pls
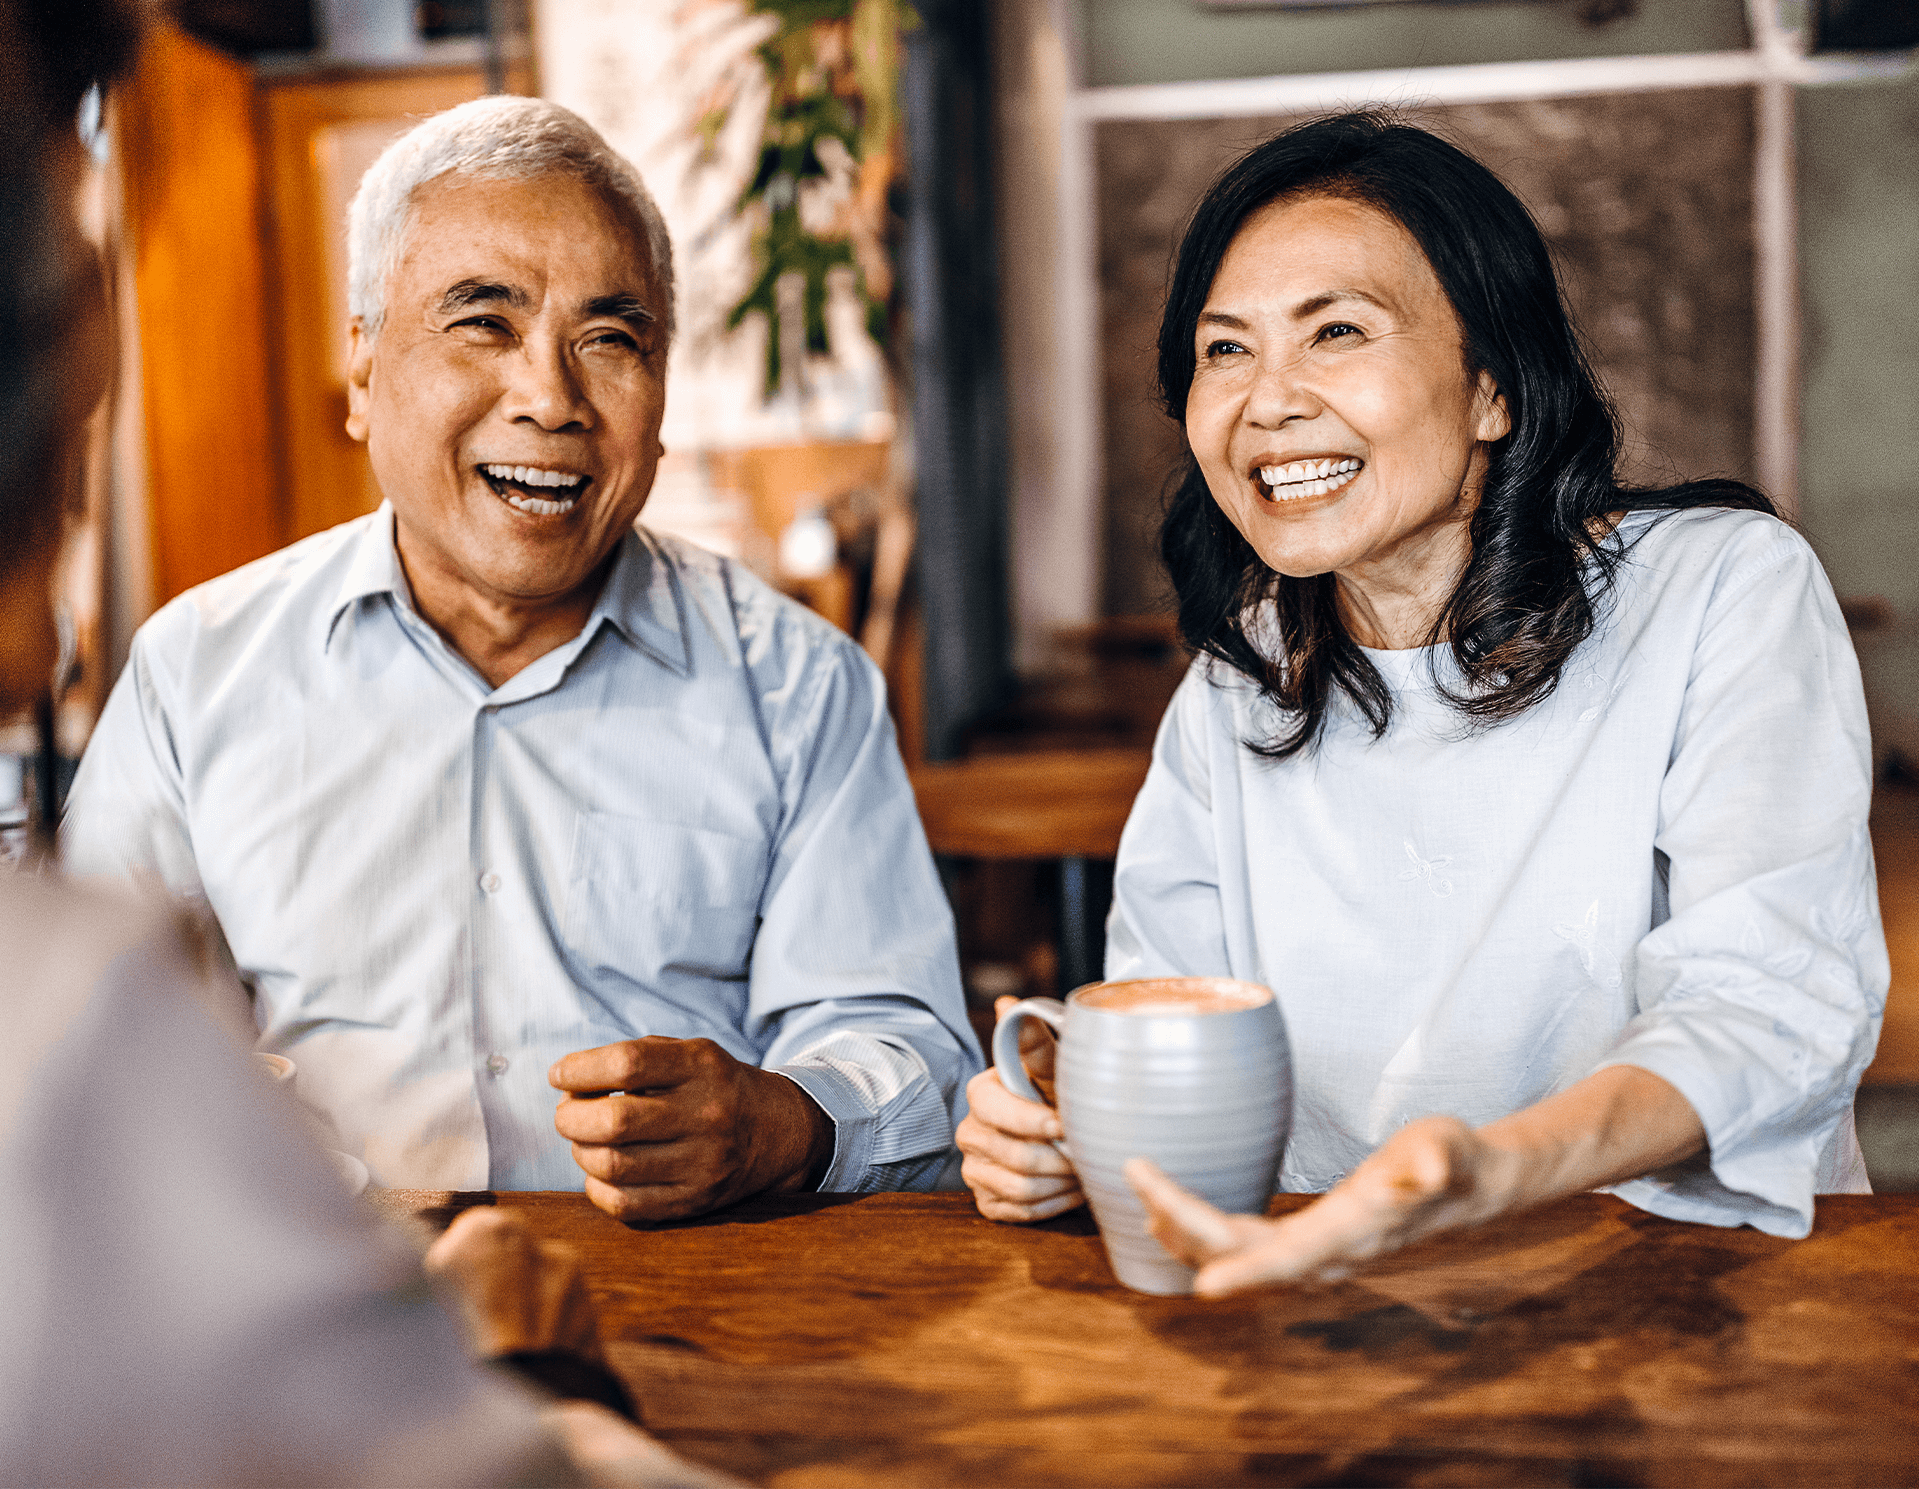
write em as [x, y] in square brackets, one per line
[498, 138]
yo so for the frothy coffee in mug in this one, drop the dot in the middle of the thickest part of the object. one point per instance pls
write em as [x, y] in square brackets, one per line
[1174, 997]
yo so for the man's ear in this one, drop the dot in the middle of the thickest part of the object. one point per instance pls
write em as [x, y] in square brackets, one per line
[1495, 420]
[359, 379]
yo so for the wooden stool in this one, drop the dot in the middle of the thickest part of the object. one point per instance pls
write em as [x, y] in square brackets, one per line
[1063, 806]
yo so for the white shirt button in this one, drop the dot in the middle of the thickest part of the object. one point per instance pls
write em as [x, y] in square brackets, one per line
[490, 882]
[497, 1064]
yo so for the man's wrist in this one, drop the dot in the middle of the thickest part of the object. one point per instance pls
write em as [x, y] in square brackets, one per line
[804, 1138]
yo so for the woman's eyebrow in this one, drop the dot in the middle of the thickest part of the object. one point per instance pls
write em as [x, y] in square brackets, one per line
[470, 292]
[1222, 318]
[1321, 301]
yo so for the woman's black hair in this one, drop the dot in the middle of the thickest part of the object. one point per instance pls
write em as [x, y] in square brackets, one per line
[1528, 594]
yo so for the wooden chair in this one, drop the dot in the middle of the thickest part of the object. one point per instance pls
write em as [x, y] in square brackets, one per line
[1065, 807]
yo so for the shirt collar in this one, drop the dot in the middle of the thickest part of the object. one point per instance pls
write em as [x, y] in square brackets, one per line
[374, 569]
[641, 599]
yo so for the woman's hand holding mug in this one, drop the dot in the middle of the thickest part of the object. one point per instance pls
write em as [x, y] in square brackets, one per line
[1012, 1165]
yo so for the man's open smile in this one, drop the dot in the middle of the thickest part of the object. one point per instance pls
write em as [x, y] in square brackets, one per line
[534, 489]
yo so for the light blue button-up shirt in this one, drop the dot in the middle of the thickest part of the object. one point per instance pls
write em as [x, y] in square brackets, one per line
[691, 820]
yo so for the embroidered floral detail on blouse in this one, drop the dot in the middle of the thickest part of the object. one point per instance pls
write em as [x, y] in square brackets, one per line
[1784, 958]
[1596, 682]
[1429, 870]
[1602, 969]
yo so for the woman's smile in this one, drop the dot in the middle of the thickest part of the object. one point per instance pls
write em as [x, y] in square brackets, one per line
[1290, 482]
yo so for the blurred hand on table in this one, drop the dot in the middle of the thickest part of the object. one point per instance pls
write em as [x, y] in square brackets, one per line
[1011, 1164]
[665, 1128]
[516, 1293]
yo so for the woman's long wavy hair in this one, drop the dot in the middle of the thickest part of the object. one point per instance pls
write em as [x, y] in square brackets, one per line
[1539, 567]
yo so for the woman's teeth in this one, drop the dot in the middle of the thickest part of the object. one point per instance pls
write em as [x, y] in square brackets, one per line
[1307, 478]
[563, 484]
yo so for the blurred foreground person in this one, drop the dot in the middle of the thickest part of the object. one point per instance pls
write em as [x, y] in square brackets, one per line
[1537, 798]
[187, 1296]
[493, 793]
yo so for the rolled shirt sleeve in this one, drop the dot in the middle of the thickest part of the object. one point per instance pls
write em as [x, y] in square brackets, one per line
[1761, 996]
[854, 981]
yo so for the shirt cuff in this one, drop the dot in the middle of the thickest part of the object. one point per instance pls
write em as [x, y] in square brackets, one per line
[854, 1124]
[1768, 1187]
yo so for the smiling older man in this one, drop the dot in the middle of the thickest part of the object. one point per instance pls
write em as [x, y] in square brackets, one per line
[489, 789]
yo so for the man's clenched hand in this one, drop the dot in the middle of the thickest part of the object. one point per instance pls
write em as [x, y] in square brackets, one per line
[666, 1128]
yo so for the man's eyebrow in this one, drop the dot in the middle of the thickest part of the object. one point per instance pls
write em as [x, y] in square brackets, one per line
[470, 292]
[629, 308]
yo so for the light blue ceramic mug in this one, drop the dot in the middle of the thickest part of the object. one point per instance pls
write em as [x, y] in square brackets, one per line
[1191, 1072]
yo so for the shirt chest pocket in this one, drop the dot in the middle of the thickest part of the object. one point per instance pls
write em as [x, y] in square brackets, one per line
[652, 902]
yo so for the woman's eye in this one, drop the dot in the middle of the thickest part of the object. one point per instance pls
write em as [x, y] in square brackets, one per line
[1338, 331]
[1222, 349]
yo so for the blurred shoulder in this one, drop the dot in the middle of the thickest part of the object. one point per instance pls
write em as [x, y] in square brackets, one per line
[290, 586]
[59, 941]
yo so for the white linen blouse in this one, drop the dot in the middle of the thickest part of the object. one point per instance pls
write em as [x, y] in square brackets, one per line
[1664, 864]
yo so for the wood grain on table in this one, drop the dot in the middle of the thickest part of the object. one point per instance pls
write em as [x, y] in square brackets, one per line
[903, 1340]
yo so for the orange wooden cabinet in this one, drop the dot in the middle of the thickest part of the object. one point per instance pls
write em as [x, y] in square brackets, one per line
[191, 179]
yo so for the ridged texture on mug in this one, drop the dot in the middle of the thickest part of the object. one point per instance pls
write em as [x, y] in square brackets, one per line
[1208, 1099]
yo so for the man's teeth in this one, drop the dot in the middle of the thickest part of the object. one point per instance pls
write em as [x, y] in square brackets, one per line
[1308, 477]
[541, 508]
[532, 475]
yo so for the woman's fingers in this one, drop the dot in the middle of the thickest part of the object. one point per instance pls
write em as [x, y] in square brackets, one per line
[1011, 1165]
[1014, 1178]
[1180, 1221]
[1005, 1194]
[998, 1107]
[1421, 1181]
[1009, 1191]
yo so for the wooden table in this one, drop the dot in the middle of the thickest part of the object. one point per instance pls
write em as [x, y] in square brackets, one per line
[903, 1340]
[1065, 806]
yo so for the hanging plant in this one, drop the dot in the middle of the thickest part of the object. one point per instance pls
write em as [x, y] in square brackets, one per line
[833, 70]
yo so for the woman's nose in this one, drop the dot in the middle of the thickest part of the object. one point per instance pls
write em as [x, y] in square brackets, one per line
[1280, 394]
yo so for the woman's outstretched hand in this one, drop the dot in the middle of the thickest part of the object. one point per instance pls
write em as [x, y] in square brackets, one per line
[1433, 1175]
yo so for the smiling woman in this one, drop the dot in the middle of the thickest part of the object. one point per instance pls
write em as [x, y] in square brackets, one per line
[1332, 413]
[1470, 764]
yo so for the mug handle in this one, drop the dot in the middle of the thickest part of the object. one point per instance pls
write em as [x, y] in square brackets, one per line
[1006, 1060]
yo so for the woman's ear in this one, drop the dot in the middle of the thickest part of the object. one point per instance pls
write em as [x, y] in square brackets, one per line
[1495, 422]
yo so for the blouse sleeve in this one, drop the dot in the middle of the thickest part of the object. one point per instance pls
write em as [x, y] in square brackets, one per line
[1167, 918]
[1759, 996]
